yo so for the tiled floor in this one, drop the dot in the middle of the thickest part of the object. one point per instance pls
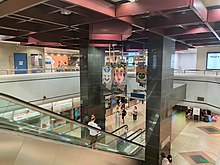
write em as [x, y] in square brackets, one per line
[193, 142]
[111, 123]
[197, 143]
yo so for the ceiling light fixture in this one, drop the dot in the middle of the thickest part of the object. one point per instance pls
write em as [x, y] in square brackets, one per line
[65, 12]
[181, 26]
[132, 0]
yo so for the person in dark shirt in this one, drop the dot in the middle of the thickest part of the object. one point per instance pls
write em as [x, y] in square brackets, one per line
[123, 114]
[169, 157]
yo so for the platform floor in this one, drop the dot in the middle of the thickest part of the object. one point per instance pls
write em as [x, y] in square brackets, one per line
[192, 142]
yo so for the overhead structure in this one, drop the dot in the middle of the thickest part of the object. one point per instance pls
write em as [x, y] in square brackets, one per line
[66, 23]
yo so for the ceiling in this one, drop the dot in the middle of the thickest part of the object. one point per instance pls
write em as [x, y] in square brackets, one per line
[65, 23]
[210, 3]
[117, 1]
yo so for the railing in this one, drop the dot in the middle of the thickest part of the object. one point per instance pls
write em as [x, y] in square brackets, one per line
[198, 72]
[53, 126]
[133, 138]
[134, 133]
[123, 126]
[38, 70]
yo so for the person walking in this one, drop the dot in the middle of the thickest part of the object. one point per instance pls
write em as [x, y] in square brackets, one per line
[169, 157]
[165, 161]
[123, 114]
[76, 114]
[135, 113]
[93, 133]
[117, 117]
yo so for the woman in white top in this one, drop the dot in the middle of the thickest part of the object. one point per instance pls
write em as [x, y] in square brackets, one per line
[93, 133]
[165, 161]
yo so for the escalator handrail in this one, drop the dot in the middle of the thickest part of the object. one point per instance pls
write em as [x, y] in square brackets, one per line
[137, 135]
[53, 114]
[126, 127]
[134, 133]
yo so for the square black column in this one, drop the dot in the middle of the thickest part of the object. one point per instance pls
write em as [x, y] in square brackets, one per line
[92, 99]
[158, 107]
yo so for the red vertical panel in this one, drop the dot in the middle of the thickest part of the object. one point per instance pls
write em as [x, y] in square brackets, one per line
[200, 9]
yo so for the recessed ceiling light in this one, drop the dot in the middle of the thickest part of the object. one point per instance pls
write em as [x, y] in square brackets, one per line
[181, 26]
[132, 0]
[65, 12]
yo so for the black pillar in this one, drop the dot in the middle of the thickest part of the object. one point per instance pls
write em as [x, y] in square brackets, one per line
[92, 99]
[158, 107]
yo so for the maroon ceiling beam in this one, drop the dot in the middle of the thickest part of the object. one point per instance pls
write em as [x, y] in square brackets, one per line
[10, 6]
[98, 6]
[214, 15]
[146, 6]
[200, 10]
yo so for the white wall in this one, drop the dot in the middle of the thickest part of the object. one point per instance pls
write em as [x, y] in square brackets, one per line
[202, 53]
[32, 87]
[185, 61]
[55, 86]
[201, 86]
[7, 51]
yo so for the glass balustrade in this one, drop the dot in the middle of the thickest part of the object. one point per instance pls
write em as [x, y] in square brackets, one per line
[21, 116]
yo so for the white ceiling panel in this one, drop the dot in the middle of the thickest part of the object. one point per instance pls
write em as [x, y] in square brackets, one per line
[209, 3]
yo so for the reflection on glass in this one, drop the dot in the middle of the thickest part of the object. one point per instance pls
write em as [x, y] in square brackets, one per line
[39, 122]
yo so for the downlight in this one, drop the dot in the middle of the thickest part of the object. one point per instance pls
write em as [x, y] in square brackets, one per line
[65, 12]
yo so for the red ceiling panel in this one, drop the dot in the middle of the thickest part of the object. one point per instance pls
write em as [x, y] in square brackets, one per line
[200, 8]
[95, 6]
[214, 15]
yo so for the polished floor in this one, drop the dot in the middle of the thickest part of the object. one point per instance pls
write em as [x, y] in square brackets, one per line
[193, 142]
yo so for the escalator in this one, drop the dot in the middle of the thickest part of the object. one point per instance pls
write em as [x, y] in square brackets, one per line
[56, 140]
[121, 131]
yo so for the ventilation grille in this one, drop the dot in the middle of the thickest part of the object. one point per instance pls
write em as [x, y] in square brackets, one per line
[200, 98]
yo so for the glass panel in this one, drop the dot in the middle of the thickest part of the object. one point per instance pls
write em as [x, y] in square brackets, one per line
[39, 122]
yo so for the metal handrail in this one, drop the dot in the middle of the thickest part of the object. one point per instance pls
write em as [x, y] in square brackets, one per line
[50, 113]
[204, 71]
[134, 133]
[137, 135]
[126, 128]
[42, 70]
